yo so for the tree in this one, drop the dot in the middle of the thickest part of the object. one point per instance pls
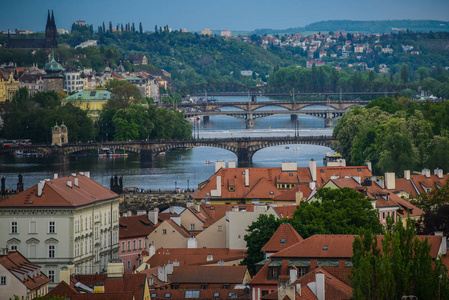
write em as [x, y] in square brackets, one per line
[400, 265]
[259, 233]
[404, 74]
[140, 28]
[337, 211]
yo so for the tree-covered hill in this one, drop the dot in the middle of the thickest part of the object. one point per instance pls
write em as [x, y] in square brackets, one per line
[384, 26]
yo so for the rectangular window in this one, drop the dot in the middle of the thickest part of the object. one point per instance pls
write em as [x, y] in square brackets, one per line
[123, 247]
[32, 251]
[3, 280]
[96, 233]
[140, 244]
[129, 264]
[220, 228]
[51, 251]
[164, 231]
[134, 245]
[14, 247]
[33, 227]
[51, 275]
[129, 245]
[51, 227]
[13, 227]
[192, 226]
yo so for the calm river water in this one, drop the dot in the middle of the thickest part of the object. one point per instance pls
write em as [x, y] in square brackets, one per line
[170, 171]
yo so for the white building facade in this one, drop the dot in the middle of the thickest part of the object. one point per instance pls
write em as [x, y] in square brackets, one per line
[64, 221]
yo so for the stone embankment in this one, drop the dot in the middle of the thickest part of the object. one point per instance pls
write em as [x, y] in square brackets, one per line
[147, 200]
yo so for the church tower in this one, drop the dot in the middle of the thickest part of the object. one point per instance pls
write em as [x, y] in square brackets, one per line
[51, 32]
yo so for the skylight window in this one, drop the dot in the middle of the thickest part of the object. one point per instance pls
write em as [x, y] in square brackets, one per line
[325, 247]
[283, 241]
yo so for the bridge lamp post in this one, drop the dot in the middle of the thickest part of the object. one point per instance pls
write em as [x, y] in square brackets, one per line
[176, 185]
[188, 185]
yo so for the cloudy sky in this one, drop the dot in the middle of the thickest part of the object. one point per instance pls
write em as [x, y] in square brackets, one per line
[195, 15]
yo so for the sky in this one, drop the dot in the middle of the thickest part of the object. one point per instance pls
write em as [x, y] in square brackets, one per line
[195, 15]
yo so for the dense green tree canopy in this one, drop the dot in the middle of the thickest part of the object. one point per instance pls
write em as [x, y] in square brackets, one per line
[401, 265]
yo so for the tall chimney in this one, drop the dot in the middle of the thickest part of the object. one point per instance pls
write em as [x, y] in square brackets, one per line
[312, 168]
[438, 172]
[55, 176]
[407, 174]
[246, 177]
[76, 181]
[426, 172]
[153, 215]
[319, 277]
[390, 181]
[368, 164]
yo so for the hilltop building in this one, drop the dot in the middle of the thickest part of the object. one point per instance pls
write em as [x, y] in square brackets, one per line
[53, 80]
[59, 135]
[92, 101]
[50, 40]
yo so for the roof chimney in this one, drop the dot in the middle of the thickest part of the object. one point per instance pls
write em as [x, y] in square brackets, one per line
[407, 174]
[426, 172]
[319, 277]
[231, 164]
[390, 181]
[312, 185]
[55, 176]
[246, 177]
[40, 187]
[368, 164]
[69, 183]
[76, 181]
[438, 172]
[312, 168]
[87, 174]
[153, 215]
[293, 275]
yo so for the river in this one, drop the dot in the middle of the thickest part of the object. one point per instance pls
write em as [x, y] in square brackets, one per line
[170, 171]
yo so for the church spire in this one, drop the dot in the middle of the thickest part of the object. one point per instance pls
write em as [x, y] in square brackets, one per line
[53, 24]
[48, 20]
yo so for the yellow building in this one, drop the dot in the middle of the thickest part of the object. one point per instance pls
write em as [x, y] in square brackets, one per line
[8, 85]
[91, 101]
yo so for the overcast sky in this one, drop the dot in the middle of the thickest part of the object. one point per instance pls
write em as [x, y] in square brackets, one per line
[195, 15]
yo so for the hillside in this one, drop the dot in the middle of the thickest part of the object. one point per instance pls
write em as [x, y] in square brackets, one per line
[385, 26]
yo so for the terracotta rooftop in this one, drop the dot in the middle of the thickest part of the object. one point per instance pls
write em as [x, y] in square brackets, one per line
[135, 226]
[57, 193]
[201, 293]
[285, 236]
[208, 274]
[194, 256]
[285, 211]
[25, 271]
[262, 181]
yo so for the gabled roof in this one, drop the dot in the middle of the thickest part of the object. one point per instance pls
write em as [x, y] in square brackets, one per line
[25, 271]
[208, 274]
[134, 283]
[135, 226]
[285, 211]
[56, 193]
[194, 256]
[285, 236]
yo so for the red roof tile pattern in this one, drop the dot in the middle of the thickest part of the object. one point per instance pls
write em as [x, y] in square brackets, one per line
[25, 271]
[208, 274]
[135, 226]
[134, 283]
[194, 256]
[265, 180]
[285, 211]
[203, 294]
[57, 193]
[285, 236]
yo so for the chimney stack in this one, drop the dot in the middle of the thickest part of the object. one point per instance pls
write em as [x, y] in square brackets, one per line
[247, 177]
[368, 164]
[426, 172]
[55, 176]
[407, 174]
[390, 181]
[312, 168]
[76, 181]
[438, 172]
[153, 215]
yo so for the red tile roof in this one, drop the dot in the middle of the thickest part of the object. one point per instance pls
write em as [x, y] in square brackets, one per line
[203, 293]
[56, 193]
[194, 256]
[208, 274]
[285, 236]
[134, 283]
[285, 211]
[135, 226]
[25, 271]
[262, 181]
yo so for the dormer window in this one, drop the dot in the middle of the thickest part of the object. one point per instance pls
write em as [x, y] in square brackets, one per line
[273, 273]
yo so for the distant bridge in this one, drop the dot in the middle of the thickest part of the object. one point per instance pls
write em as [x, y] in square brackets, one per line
[292, 88]
[244, 148]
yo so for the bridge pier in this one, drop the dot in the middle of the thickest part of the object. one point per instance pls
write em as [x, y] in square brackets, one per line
[253, 98]
[249, 123]
[206, 119]
[329, 122]
[147, 156]
[244, 157]
[293, 117]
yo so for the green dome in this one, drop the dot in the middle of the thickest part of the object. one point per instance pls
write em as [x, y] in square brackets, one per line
[53, 66]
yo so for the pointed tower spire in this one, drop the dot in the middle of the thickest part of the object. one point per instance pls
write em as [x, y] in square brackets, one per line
[53, 24]
[48, 20]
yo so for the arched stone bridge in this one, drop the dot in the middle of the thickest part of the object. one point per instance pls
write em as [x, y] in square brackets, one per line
[244, 148]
